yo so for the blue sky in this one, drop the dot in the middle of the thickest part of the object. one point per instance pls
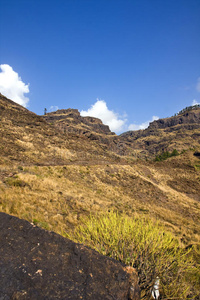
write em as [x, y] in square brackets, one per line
[141, 57]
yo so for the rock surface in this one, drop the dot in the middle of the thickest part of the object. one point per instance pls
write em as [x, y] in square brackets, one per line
[36, 264]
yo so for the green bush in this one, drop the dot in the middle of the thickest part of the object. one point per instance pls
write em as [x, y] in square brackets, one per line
[174, 153]
[144, 245]
[166, 155]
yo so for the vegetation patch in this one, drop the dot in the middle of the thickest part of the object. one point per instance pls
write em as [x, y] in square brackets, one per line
[188, 108]
[14, 181]
[43, 225]
[145, 245]
[166, 155]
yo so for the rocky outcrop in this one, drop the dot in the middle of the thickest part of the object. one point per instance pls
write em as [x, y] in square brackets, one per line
[27, 138]
[179, 132]
[70, 120]
[188, 121]
[36, 264]
[190, 117]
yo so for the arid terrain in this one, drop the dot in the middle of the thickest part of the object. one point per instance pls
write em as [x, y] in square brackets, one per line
[59, 168]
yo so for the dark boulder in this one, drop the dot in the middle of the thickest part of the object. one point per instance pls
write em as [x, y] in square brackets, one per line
[197, 154]
[38, 264]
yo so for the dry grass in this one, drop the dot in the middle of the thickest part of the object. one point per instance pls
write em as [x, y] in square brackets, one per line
[59, 196]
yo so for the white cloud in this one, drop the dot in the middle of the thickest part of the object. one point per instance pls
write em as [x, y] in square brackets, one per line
[143, 125]
[53, 108]
[12, 86]
[198, 85]
[108, 117]
[195, 102]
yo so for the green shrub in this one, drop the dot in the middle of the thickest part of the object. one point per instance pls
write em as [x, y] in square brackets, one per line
[166, 155]
[144, 245]
[174, 153]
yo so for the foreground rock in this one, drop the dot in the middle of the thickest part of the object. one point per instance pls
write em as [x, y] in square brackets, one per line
[37, 264]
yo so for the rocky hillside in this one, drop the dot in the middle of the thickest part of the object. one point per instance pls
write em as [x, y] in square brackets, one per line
[64, 136]
[181, 132]
[55, 174]
[109, 180]
[28, 138]
[70, 121]
[189, 120]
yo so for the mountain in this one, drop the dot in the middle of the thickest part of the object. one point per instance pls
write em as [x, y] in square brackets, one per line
[29, 138]
[70, 121]
[180, 132]
[58, 169]
[64, 136]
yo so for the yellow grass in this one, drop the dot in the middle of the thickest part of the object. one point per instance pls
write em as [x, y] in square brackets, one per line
[72, 191]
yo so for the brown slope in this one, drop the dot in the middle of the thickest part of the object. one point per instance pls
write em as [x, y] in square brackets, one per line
[28, 138]
[180, 132]
[58, 197]
[163, 189]
[70, 121]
